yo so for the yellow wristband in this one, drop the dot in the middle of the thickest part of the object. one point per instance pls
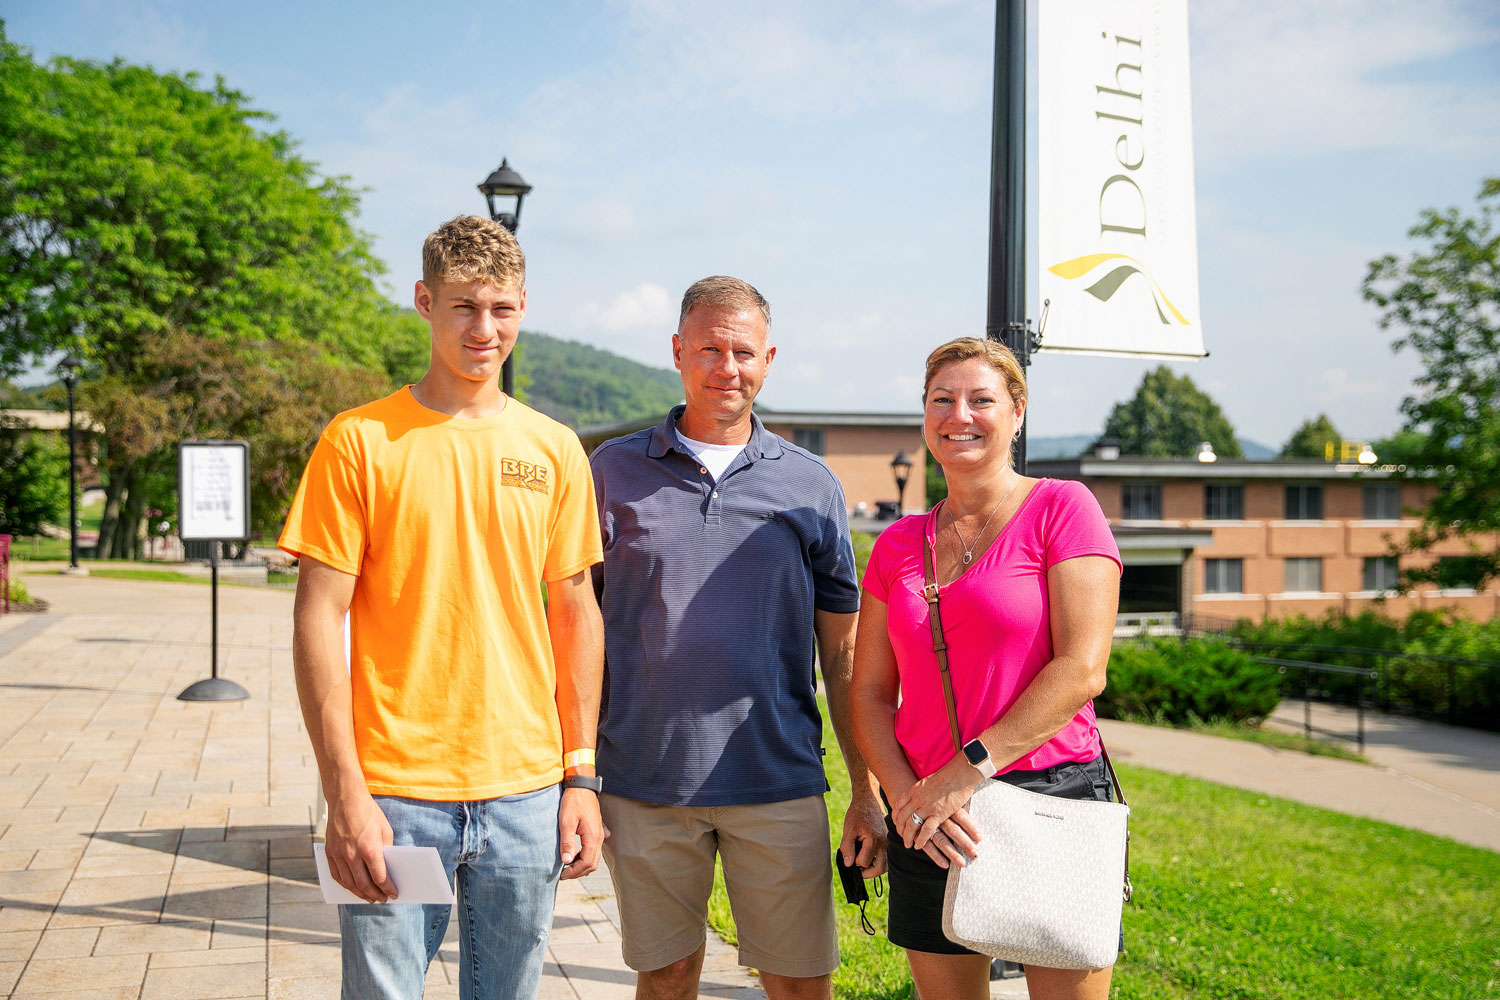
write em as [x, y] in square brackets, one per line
[573, 758]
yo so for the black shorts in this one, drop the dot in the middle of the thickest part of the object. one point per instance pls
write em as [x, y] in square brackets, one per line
[918, 884]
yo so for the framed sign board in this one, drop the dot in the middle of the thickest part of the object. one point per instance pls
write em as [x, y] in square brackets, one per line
[213, 491]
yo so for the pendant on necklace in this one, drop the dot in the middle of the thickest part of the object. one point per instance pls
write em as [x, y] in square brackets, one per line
[968, 558]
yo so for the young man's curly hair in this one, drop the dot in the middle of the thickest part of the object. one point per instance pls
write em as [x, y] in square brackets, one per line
[473, 248]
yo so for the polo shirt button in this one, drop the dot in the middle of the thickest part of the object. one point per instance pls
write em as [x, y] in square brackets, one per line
[716, 494]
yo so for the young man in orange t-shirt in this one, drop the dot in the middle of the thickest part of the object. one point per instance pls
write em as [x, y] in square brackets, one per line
[466, 717]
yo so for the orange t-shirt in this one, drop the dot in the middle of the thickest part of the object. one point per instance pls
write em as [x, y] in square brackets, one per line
[450, 525]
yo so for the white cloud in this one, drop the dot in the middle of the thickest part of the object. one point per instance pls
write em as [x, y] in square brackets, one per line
[1342, 384]
[1293, 78]
[787, 59]
[646, 307]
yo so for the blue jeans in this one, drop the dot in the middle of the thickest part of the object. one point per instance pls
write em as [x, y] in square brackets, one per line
[504, 853]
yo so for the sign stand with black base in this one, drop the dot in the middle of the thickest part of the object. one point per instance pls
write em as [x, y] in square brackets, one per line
[213, 505]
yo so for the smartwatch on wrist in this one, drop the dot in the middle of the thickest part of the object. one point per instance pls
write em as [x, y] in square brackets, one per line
[591, 782]
[979, 756]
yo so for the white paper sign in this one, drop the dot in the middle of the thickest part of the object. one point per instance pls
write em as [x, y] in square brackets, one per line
[214, 490]
[1117, 226]
[417, 872]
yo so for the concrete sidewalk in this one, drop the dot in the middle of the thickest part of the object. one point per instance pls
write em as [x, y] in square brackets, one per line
[160, 850]
[154, 849]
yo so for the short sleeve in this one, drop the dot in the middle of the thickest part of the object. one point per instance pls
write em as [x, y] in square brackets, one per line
[329, 517]
[834, 586]
[877, 581]
[573, 537]
[1076, 526]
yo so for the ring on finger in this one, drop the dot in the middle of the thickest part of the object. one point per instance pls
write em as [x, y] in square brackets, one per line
[917, 819]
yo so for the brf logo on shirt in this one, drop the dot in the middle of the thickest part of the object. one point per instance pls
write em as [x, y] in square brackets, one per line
[514, 472]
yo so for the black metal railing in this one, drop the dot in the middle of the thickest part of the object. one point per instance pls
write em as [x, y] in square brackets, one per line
[1308, 668]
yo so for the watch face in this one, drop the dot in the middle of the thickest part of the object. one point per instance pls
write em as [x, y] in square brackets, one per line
[975, 752]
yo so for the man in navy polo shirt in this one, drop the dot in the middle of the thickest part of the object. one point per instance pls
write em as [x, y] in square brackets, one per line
[726, 556]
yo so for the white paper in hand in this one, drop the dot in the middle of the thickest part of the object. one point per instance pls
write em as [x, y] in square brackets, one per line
[417, 872]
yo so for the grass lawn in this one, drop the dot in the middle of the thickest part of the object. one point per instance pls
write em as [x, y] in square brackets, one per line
[39, 548]
[162, 575]
[1240, 895]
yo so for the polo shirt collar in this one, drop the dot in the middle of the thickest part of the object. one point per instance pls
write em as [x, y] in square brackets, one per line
[762, 443]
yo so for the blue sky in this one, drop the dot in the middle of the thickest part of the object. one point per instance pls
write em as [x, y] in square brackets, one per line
[837, 155]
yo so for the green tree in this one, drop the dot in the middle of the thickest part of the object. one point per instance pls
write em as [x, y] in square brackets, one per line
[1444, 299]
[277, 398]
[33, 481]
[1404, 447]
[14, 397]
[134, 204]
[1168, 417]
[937, 483]
[1311, 440]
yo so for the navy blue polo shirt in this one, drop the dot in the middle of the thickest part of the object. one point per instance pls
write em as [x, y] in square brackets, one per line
[709, 591]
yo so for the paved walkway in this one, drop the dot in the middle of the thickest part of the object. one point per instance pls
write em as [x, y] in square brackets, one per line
[154, 849]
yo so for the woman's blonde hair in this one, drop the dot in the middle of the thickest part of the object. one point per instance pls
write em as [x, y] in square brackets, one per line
[992, 353]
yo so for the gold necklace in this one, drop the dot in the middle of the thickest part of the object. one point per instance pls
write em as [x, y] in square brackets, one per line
[969, 549]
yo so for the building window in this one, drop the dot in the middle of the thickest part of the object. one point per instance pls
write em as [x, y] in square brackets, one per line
[810, 438]
[1304, 576]
[1304, 502]
[1223, 576]
[1382, 502]
[1380, 571]
[1224, 502]
[1142, 501]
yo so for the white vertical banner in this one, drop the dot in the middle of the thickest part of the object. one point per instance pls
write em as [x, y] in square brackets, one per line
[1117, 229]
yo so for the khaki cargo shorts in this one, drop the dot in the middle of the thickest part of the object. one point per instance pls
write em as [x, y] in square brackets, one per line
[777, 870]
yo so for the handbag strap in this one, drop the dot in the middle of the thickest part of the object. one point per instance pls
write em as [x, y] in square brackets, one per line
[940, 650]
[939, 644]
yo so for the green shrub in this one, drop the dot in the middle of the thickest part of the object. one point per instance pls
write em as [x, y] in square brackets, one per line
[18, 592]
[1467, 693]
[1176, 681]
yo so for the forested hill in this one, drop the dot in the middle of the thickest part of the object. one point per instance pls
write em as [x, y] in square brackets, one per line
[584, 386]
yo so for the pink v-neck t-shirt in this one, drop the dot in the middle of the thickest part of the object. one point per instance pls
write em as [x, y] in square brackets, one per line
[996, 621]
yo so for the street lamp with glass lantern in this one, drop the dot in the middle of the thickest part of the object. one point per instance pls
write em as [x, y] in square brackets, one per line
[504, 182]
[901, 468]
[68, 371]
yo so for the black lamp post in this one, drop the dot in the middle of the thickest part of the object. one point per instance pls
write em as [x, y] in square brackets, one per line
[505, 183]
[901, 467]
[68, 369]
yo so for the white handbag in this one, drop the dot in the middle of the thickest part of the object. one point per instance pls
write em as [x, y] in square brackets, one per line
[1052, 874]
[1046, 887]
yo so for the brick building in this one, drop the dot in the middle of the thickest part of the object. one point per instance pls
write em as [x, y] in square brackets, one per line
[1284, 537]
[858, 447]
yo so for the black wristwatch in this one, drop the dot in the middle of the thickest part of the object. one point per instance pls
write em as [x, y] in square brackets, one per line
[979, 755]
[591, 782]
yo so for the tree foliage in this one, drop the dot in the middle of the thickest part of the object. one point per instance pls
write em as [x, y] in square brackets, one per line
[277, 398]
[584, 386]
[1444, 300]
[134, 202]
[15, 397]
[141, 209]
[1312, 438]
[33, 480]
[1168, 417]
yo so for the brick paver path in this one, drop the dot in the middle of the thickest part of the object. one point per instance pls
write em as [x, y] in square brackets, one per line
[152, 849]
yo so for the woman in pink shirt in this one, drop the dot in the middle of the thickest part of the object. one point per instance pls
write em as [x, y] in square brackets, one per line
[1029, 578]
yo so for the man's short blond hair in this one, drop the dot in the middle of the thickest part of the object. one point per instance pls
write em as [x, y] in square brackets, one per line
[723, 292]
[473, 248]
